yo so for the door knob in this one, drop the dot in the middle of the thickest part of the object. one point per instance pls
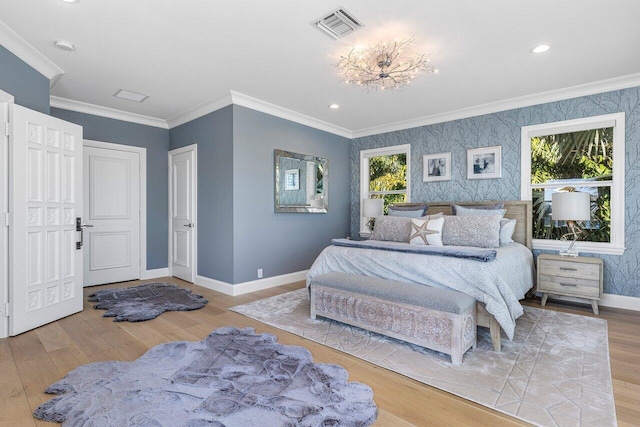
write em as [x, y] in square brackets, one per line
[190, 225]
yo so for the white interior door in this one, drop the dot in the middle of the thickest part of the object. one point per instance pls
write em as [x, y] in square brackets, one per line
[182, 212]
[45, 181]
[112, 222]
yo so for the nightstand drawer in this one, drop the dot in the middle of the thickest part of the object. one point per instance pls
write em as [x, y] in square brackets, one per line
[569, 286]
[570, 269]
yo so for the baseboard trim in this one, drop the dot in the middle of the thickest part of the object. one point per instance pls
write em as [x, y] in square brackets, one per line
[152, 274]
[620, 301]
[608, 300]
[252, 286]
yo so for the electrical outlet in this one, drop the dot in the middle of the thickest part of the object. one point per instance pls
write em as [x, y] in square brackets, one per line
[259, 273]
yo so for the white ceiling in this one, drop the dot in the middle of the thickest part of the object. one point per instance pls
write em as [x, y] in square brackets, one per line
[191, 53]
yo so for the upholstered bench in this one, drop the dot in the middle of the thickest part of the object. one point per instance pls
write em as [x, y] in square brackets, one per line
[439, 319]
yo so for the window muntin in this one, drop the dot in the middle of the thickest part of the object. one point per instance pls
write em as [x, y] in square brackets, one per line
[586, 155]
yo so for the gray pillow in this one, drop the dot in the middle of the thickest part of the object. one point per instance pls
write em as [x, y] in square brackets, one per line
[463, 210]
[476, 231]
[408, 213]
[398, 208]
[454, 208]
[392, 229]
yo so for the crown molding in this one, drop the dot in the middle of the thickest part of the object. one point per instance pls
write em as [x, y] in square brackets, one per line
[237, 98]
[10, 40]
[284, 113]
[110, 113]
[602, 86]
[199, 111]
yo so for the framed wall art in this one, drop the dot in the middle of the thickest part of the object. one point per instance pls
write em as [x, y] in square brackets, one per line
[484, 163]
[292, 179]
[437, 167]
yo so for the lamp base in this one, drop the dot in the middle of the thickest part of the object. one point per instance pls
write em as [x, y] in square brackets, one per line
[568, 253]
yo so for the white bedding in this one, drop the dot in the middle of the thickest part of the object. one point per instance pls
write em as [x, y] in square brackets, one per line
[499, 284]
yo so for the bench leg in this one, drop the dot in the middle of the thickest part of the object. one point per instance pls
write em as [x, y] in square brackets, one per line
[456, 358]
[313, 305]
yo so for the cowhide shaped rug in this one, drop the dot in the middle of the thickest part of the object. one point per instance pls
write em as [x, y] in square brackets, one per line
[233, 377]
[145, 302]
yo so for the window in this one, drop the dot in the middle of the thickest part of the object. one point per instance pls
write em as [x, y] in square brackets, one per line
[384, 174]
[585, 155]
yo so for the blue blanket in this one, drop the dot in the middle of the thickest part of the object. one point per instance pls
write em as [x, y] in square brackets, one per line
[477, 254]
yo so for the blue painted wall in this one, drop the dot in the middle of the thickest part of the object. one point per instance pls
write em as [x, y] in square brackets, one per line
[156, 141]
[622, 273]
[281, 243]
[214, 135]
[238, 230]
[28, 87]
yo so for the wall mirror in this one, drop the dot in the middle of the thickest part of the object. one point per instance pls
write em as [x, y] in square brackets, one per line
[302, 183]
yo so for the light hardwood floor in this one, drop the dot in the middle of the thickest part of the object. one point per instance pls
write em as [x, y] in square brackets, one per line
[32, 361]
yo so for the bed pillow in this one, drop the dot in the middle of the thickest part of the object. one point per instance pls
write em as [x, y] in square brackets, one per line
[476, 231]
[392, 229]
[408, 211]
[426, 232]
[454, 208]
[395, 228]
[465, 211]
[507, 228]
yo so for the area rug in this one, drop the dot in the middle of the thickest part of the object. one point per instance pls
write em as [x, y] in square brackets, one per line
[555, 372]
[145, 302]
[233, 377]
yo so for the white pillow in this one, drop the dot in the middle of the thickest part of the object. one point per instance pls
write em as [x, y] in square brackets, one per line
[426, 232]
[507, 228]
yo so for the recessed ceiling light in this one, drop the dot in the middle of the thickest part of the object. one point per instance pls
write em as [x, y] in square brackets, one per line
[70, 1]
[540, 48]
[130, 96]
[65, 45]
[334, 106]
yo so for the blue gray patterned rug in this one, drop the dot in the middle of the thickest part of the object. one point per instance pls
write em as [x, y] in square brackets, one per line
[145, 302]
[233, 377]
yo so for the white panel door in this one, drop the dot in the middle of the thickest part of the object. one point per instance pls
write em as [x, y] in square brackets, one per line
[45, 266]
[182, 211]
[112, 216]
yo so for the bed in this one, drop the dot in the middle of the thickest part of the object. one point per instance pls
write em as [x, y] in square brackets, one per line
[497, 285]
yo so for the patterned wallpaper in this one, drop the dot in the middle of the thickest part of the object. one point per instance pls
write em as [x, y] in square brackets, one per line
[621, 273]
[293, 197]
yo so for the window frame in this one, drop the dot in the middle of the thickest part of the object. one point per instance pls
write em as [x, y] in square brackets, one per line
[365, 155]
[617, 120]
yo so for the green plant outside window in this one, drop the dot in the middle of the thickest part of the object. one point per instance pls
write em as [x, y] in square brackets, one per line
[388, 178]
[581, 160]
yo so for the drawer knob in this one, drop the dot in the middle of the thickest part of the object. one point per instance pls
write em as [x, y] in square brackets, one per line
[568, 284]
[568, 268]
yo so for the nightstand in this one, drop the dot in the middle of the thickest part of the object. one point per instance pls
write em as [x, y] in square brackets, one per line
[579, 277]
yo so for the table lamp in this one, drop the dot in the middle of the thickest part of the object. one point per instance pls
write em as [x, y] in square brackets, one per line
[372, 208]
[571, 206]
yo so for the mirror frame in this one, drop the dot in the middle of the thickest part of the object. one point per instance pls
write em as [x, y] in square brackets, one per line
[278, 154]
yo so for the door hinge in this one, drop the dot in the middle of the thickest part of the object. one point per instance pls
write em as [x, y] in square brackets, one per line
[4, 309]
[7, 219]
[7, 129]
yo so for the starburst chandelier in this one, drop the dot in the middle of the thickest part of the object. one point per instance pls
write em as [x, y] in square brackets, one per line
[389, 65]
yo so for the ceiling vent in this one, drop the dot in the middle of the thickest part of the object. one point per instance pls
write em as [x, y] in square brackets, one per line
[338, 23]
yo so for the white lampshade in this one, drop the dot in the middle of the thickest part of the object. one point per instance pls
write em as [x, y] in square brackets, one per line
[571, 206]
[372, 207]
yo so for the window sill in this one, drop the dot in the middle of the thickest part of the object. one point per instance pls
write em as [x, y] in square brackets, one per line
[582, 247]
